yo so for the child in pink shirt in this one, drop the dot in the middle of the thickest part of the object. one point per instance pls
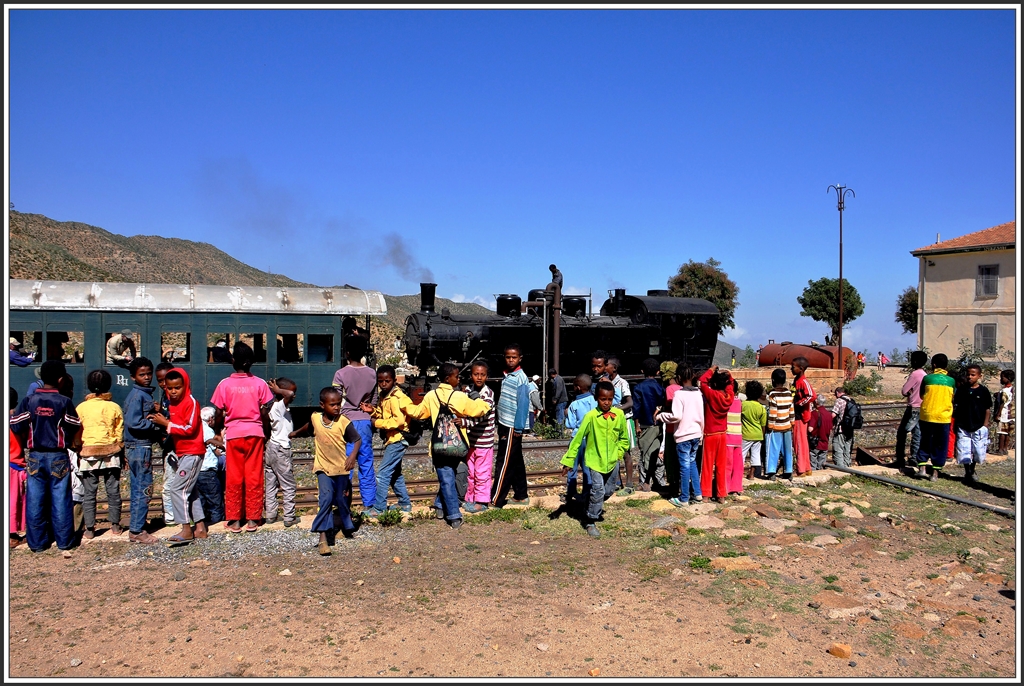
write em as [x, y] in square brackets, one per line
[242, 402]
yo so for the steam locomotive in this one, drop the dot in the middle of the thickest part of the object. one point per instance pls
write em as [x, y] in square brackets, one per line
[632, 327]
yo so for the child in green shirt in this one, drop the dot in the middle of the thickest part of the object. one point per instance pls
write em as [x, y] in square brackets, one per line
[754, 418]
[607, 437]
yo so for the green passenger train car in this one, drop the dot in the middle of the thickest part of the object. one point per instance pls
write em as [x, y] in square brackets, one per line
[295, 332]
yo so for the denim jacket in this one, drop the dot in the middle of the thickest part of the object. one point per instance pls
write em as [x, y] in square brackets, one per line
[137, 407]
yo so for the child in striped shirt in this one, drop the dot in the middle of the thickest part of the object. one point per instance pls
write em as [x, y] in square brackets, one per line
[480, 432]
[780, 426]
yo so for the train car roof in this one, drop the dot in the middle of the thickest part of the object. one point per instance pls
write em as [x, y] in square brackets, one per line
[665, 304]
[25, 294]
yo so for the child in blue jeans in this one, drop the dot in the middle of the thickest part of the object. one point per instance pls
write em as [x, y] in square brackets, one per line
[686, 421]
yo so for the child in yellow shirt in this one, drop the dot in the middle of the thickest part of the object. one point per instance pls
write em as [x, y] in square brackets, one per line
[102, 440]
[332, 463]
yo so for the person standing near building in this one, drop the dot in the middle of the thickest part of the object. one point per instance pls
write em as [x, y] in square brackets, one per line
[910, 424]
[937, 391]
[972, 411]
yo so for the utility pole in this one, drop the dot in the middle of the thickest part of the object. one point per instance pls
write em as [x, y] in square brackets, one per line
[841, 192]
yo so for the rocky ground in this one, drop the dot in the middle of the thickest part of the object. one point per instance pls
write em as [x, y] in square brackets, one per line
[831, 576]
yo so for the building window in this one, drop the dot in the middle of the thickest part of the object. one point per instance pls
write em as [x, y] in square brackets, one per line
[987, 285]
[985, 338]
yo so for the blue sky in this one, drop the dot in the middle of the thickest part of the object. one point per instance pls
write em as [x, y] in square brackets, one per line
[476, 147]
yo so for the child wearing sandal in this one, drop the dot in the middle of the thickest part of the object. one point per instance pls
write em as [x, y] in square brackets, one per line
[102, 436]
[181, 470]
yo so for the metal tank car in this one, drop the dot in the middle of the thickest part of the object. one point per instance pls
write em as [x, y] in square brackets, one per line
[632, 327]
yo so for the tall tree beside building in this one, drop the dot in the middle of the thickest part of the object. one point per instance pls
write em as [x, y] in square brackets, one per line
[906, 310]
[708, 281]
[820, 302]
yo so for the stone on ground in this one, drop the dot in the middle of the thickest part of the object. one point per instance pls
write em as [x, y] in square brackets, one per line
[731, 564]
[705, 522]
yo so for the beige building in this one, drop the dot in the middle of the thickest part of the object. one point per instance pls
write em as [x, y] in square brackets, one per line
[967, 289]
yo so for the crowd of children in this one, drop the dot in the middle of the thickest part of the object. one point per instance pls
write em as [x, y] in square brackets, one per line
[697, 436]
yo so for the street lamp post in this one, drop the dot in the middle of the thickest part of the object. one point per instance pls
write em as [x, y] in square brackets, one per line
[841, 192]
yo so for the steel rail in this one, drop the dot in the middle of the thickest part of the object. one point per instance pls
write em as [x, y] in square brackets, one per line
[938, 494]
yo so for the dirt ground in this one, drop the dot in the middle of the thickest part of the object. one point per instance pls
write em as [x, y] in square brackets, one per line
[760, 587]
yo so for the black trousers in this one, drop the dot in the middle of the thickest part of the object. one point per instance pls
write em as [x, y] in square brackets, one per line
[211, 495]
[509, 468]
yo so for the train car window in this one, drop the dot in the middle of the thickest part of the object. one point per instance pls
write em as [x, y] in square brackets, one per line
[175, 346]
[258, 343]
[122, 346]
[29, 342]
[218, 348]
[289, 348]
[66, 346]
[321, 347]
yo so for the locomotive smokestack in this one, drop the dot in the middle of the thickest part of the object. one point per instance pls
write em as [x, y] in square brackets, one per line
[427, 297]
[620, 300]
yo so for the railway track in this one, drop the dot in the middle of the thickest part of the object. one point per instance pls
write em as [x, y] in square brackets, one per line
[419, 490]
[424, 489]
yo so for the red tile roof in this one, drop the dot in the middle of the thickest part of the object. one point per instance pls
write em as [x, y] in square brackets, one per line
[1004, 234]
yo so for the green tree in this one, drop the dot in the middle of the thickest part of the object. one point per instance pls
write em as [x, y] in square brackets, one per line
[906, 310]
[820, 302]
[749, 358]
[706, 280]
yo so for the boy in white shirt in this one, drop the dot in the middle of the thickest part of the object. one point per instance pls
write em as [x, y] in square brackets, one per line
[277, 462]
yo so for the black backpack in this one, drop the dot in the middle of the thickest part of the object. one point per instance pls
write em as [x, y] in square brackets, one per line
[852, 417]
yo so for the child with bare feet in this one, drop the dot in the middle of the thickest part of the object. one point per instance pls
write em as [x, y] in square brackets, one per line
[333, 463]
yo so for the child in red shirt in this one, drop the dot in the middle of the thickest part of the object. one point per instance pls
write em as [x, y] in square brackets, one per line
[803, 405]
[718, 392]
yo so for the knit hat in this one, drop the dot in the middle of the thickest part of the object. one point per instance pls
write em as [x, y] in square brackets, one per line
[668, 371]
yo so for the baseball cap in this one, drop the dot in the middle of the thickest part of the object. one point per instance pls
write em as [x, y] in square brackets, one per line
[126, 332]
[15, 341]
[535, 377]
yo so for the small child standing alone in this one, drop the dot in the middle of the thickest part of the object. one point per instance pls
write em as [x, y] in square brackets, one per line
[102, 437]
[336, 445]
